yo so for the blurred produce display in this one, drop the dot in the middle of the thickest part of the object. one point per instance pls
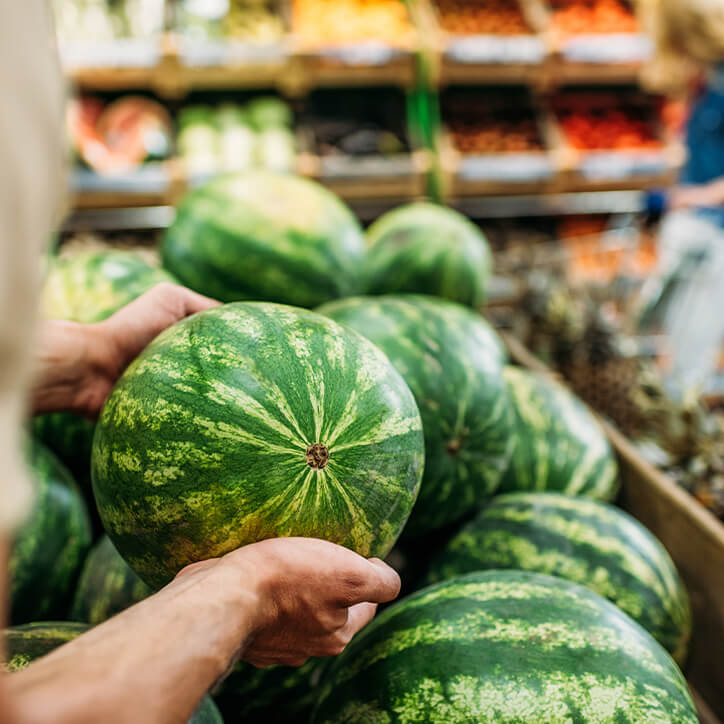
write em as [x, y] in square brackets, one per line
[596, 120]
[237, 137]
[325, 23]
[255, 21]
[482, 17]
[101, 21]
[481, 122]
[356, 122]
[573, 329]
[584, 17]
[119, 136]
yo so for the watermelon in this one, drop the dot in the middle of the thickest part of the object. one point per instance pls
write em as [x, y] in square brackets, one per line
[428, 249]
[279, 694]
[252, 421]
[561, 447]
[50, 546]
[266, 237]
[107, 585]
[504, 647]
[93, 284]
[584, 541]
[26, 643]
[452, 361]
[88, 286]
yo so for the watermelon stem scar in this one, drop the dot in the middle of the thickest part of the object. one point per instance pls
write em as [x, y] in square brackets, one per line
[453, 448]
[317, 456]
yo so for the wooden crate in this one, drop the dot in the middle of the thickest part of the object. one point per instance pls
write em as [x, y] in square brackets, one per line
[694, 539]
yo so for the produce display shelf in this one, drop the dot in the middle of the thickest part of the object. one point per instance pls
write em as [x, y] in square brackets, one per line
[694, 539]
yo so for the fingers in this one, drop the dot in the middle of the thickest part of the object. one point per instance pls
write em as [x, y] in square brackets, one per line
[194, 302]
[372, 581]
[358, 617]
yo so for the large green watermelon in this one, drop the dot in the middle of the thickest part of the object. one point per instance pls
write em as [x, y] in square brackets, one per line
[504, 647]
[88, 286]
[26, 643]
[279, 694]
[252, 421]
[584, 541]
[560, 445]
[91, 285]
[453, 362]
[107, 585]
[428, 249]
[49, 548]
[268, 237]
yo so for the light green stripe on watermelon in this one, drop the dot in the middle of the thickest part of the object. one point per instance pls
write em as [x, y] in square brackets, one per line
[452, 360]
[88, 286]
[267, 237]
[49, 548]
[584, 541]
[25, 644]
[427, 249]
[208, 440]
[561, 447]
[107, 585]
[504, 647]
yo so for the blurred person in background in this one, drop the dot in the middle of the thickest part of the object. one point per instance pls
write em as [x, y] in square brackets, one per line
[274, 602]
[689, 56]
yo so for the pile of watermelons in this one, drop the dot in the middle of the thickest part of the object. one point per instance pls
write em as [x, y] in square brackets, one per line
[387, 420]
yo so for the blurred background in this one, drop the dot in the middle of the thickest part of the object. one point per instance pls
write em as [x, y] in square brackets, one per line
[529, 116]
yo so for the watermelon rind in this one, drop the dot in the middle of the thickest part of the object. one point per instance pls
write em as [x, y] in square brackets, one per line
[266, 237]
[560, 447]
[504, 647]
[252, 421]
[453, 362]
[425, 248]
[584, 541]
[49, 548]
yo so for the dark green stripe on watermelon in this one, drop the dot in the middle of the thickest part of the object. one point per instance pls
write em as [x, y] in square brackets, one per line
[452, 360]
[107, 585]
[49, 548]
[427, 249]
[25, 644]
[505, 647]
[252, 421]
[279, 694]
[560, 445]
[584, 541]
[268, 237]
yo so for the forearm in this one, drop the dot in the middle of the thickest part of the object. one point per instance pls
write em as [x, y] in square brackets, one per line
[152, 663]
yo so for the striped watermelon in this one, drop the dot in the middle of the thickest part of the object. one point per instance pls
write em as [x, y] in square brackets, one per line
[252, 421]
[428, 249]
[584, 541]
[452, 361]
[561, 447]
[49, 549]
[107, 585]
[267, 237]
[91, 285]
[505, 647]
[26, 643]
[88, 286]
[279, 694]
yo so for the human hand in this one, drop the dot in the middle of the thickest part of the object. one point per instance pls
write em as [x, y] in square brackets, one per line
[311, 596]
[78, 364]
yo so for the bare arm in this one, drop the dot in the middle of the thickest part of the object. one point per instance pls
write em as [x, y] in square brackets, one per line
[275, 602]
[78, 364]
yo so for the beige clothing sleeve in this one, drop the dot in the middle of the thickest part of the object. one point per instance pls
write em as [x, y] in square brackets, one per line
[32, 151]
